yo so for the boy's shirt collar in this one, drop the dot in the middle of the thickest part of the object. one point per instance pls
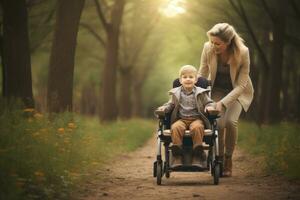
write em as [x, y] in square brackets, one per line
[187, 92]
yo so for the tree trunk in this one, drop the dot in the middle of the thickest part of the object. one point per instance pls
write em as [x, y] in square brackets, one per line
[272, 109]
[297, 97]
[88, 103]
[4, 68]
[61, 70]
[287, 85]
[16, 53]
[108, 106]
[137, 100]
[261, 93]
[125, 100]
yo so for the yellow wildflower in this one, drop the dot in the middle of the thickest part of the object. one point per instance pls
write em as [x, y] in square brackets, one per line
[38, 115]
[28, 110]
[71, 125]
[39, 174]
[66, 140]
[61, 130]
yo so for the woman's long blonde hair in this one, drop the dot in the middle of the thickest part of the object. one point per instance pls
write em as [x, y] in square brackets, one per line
[227, 34]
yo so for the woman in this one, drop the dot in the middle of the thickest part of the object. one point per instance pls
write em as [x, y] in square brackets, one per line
[225, 61]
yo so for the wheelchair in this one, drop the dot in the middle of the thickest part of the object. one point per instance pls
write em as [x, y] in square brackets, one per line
[162, 165]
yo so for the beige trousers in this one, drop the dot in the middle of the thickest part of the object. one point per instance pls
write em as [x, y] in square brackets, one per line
[228, 125]
[195, 126]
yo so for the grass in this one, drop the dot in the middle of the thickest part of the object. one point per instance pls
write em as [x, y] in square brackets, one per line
[279, 144]
[42, 159]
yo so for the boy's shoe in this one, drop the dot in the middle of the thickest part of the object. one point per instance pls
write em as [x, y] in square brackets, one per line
[176, 150]
[203, 159]
[196, 161]
[197, 150]
[176, 161]
[199, 157]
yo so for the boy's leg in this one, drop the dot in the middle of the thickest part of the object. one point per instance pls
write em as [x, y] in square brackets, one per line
[197, 131]
[177, 131]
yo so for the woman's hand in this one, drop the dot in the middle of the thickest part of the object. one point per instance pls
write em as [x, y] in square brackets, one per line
[209, 108]
[219, 106]
[212, 111]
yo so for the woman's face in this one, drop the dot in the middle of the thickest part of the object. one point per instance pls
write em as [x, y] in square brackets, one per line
[218, 45]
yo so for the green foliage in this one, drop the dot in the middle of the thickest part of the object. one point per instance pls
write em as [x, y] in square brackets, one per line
[45, 159]
[280, 145]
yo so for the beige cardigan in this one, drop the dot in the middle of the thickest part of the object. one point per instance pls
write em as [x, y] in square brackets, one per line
[239, 73]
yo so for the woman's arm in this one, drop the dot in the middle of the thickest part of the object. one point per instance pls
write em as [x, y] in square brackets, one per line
[241, 81]
[204, 70]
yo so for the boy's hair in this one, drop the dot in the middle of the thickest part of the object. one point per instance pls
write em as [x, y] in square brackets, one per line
[187, 69]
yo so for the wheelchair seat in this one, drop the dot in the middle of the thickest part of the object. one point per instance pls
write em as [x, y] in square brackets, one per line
[207, 132]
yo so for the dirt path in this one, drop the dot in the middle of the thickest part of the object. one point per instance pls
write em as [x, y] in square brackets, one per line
[130, 177]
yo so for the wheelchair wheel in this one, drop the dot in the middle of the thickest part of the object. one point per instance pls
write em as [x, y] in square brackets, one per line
[216, 173]
[166, 170]
[221, 169]
[159, 173]
[167, 174]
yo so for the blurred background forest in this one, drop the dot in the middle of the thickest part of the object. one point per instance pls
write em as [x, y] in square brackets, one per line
[117, 58]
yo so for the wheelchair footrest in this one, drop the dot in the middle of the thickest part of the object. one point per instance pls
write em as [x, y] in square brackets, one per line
[188, 168]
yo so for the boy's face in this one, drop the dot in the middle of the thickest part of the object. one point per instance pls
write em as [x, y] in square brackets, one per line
[188, 80]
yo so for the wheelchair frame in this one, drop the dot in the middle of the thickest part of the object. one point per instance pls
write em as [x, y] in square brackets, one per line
[162, 166]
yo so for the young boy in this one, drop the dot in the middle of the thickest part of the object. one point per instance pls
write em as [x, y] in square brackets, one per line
[188, 103]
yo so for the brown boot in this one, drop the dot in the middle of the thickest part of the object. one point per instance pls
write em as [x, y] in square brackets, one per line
[176, 161]
[227, 166]
[176, 150]
[177, 155]
[199, 157]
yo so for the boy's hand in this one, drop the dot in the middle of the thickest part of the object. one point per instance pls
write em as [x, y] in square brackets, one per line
[161, 108]
[212, 111]
[160, 111]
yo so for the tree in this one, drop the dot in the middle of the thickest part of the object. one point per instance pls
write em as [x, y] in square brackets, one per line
[61, 69]
[272, 104]
[16, 52]
[108, 107]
